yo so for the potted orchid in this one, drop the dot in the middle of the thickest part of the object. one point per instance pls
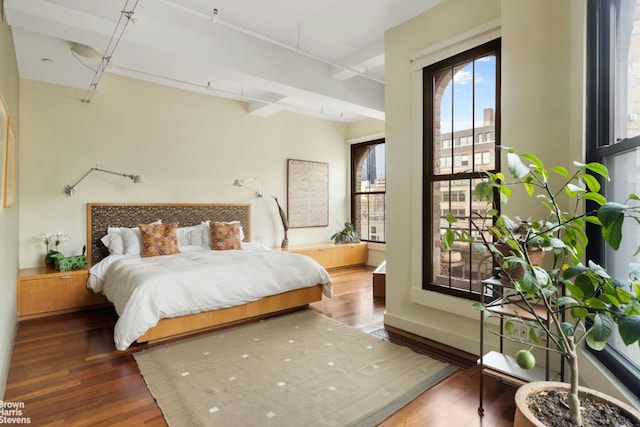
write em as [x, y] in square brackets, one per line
[52, 241]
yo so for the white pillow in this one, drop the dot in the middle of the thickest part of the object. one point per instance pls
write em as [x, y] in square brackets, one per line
[190, 235]
[124, 241]
[113, 241]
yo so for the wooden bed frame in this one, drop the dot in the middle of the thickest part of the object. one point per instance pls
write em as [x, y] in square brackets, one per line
[103, 215]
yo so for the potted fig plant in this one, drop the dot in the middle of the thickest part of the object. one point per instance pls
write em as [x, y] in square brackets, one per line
[347, 234]
[584, 303]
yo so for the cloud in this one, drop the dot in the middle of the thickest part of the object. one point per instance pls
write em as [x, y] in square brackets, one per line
[463, 77]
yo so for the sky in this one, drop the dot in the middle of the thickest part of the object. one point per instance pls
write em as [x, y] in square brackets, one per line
[461, 91]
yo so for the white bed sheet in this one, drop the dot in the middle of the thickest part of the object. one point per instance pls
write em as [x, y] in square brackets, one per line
[145, 290]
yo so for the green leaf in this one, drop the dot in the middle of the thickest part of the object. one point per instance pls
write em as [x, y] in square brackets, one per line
[612, 217]
[598, 168]
[533, 159]
[592, 183]
[509, 327]
[575, 291]
[561, 171]
[481, 307]
[596, 197]
[574, 271]
[572, 188]
[633, 308]
[533, 335]
[624, 296]
[593, 220]
[448, 239]
[565, 301]
[517, 169]
[595, 303]
[600, 331]
[529, 189]
[567, 329]
[579, 312]
[484, 191]
[629, 328]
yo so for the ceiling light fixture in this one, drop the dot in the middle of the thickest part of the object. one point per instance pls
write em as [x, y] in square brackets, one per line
[85, 51]
[70, 190]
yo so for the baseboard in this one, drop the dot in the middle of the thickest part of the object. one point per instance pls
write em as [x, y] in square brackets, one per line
[431, 348]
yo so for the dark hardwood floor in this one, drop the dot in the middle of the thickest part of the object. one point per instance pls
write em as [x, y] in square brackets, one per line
[66, 371]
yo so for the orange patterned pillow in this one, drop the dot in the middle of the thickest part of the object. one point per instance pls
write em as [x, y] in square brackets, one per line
[225, 235]
[159, 239]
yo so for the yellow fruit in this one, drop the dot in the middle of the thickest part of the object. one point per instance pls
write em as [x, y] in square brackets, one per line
[525, 359]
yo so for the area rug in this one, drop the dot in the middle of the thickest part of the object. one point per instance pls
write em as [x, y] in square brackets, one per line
[301, 369]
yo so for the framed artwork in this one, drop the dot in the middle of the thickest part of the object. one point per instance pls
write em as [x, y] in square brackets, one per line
[307, 193]
[10, 169]
[4, 125]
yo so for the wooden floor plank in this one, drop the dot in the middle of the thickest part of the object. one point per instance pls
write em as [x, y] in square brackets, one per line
[66, 371]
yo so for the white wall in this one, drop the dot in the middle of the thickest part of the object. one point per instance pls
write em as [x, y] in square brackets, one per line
[9, 88]
[543, 78]
[189, 147]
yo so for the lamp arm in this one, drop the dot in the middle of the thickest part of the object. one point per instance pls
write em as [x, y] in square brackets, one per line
[112, 173]
[69, 189]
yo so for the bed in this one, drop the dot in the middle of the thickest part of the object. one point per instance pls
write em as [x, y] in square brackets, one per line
[277, 281]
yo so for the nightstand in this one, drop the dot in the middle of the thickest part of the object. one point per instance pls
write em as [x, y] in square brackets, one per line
[43, 292]
[331, 255]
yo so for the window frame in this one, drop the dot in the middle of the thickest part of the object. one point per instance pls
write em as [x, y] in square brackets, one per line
[355, 194]
[428, 245]
[600, 143]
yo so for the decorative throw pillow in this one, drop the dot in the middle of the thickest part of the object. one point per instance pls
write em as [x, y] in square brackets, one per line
[159, 239]
[225, 235]
[206, 231]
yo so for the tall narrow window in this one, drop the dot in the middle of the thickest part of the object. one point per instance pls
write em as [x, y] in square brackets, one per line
[461, 103]
[368, 190]
[613, 138]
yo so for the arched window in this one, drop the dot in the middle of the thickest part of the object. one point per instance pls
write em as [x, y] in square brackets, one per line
[461, 104]
[368, 190]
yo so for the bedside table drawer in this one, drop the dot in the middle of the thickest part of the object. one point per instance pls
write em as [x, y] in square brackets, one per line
[55, 292]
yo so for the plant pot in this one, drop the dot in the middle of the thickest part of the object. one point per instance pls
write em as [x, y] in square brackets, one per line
[50, 259]
[525, 418]
[536, 255]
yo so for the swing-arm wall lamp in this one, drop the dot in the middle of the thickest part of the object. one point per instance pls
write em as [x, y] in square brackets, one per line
[70, 190]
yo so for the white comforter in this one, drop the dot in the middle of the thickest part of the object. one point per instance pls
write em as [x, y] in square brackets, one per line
[145, 290]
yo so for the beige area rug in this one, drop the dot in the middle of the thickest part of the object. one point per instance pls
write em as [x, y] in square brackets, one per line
[301, 369]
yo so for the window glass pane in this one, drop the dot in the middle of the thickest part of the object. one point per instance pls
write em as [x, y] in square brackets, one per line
[463, 98]
[627, 80]
[443, 123]
[370, 224]
[370, 167]
[465, 265]
[618, 188]
[485, 107]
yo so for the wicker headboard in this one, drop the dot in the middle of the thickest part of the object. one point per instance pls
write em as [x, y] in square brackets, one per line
[103, 215]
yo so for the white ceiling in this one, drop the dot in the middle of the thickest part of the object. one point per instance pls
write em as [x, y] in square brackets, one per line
[323, 58]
